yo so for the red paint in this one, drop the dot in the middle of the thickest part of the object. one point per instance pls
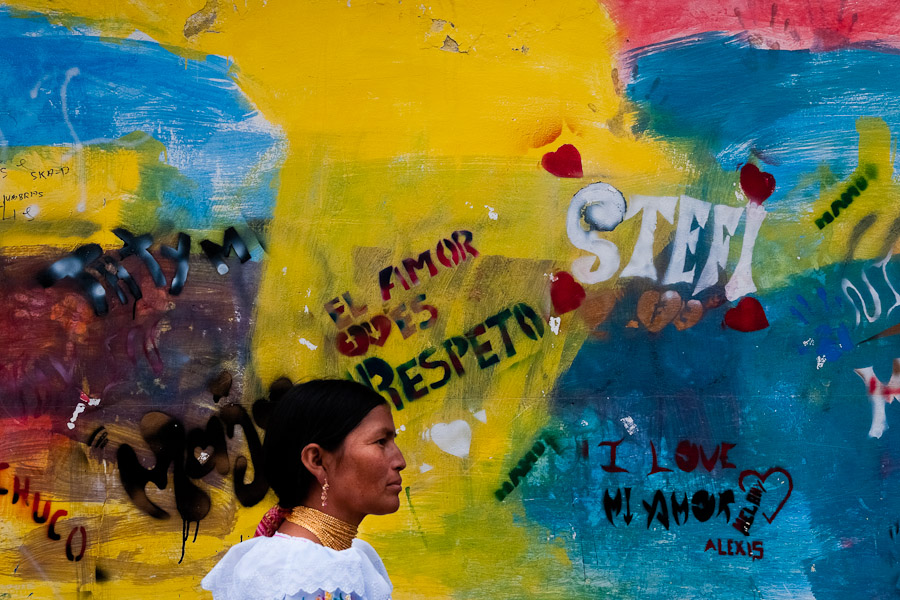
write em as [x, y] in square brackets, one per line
[738, 546]
[612, 467]
[656, 468]
[762, 480]
[757, 185]
[566, 294]
[787, 24]
[565, 162]
[354, 341]
[381, 329]
[748, 315]
[460, 250]
[688, 455]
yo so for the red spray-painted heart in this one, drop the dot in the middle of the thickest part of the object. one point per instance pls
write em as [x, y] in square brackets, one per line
[379, 330]
[566, 294]
[748, 315]
[757, 185]
[565, 162]
[762, 479]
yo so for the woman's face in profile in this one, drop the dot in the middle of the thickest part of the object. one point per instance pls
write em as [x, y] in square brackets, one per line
[366, 477]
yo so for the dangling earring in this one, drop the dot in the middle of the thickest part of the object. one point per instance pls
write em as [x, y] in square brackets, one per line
[324, 493]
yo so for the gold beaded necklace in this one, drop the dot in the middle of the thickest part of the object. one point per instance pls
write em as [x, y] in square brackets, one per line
[331, 531]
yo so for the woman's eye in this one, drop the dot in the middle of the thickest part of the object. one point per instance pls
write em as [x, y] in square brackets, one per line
[382, 441]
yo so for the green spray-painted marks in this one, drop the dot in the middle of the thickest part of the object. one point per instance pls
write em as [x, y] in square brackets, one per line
[526, 462]
[413, 511]
[846, 198]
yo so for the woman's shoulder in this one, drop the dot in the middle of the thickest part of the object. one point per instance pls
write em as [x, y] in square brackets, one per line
[286, 567]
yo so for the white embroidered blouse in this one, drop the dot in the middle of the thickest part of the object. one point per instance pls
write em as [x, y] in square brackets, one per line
[285, 567]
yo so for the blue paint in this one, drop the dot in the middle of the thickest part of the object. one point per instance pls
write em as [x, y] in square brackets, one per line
[799, 108]
[226, 152]
[709, 384]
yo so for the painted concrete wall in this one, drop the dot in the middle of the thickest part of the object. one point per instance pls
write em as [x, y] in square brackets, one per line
[624, 270]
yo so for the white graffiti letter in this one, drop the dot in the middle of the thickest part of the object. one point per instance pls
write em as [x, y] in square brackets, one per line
[641, 263]
[686, 236]
[741, 282]
[725, 219]
[880, 395]
[597, 207]
[876, 299]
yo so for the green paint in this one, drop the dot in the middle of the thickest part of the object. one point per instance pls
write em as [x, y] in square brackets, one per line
[413, 511]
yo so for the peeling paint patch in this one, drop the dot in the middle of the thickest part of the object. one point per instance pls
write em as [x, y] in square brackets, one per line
[307, 343]
[450, 45]
[201, 20]
[492, 214]
[630, 427]
[554, 324]
[85, 401]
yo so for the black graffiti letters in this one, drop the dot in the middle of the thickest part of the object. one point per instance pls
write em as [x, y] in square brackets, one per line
[677, 507]
[166, 438]
[186, 453]
[180, 257]
[217, 254]
[73, 267]
[611, 504]
[745, 519]
[88, 265]
[413, 377]
[138, 246]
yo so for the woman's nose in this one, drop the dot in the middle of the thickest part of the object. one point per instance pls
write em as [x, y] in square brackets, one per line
[401, 463]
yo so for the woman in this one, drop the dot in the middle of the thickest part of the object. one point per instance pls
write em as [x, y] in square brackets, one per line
[331, 460]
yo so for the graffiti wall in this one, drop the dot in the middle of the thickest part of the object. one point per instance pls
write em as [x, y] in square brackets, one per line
[625, 271]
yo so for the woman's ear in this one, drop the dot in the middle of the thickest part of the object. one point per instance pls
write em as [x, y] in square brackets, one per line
[312, 456]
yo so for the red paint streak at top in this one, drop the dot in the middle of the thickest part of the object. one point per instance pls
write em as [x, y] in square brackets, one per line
[788, 25]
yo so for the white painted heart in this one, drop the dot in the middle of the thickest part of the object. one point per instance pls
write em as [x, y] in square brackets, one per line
[453, 438]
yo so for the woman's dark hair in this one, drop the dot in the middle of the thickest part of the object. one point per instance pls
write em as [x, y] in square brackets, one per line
[321, 411]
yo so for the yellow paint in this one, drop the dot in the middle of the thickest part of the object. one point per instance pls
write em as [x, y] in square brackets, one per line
[875, 151]
[395, 143]
[58, 196]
